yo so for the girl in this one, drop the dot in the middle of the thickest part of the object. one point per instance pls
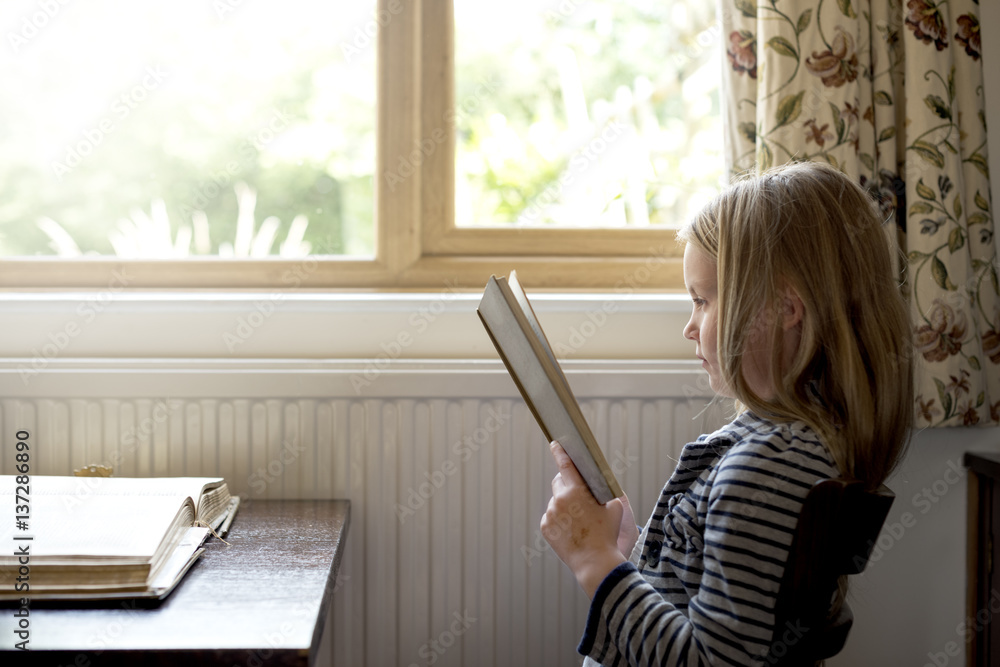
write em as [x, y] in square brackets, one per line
[798, 316]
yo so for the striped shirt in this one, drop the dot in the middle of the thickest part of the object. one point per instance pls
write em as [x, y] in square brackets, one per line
[704, 576]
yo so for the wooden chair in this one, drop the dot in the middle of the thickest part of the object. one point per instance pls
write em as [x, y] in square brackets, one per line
[838, 526]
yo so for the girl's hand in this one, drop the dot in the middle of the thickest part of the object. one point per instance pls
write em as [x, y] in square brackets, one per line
[628, 534]
[582, 532]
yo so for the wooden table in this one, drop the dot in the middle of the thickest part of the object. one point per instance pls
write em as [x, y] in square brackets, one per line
[262, 601]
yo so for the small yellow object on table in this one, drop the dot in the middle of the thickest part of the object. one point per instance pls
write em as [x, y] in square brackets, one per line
[94, 470]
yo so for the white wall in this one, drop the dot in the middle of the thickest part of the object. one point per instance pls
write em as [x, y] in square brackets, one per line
[910, 600]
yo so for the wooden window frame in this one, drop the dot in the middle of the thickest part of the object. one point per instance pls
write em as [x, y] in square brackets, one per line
[418, 245]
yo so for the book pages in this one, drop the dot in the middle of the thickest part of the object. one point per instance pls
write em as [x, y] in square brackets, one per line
[109, 537]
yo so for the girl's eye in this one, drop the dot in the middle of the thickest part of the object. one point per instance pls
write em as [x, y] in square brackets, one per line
[699, 302]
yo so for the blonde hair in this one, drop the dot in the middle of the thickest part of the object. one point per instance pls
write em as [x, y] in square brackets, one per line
[809, 227]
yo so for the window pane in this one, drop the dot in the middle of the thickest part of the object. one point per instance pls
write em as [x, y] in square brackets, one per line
[191, 127]
[586, 113]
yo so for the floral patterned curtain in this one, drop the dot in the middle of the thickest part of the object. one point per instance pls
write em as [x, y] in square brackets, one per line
[892, 95]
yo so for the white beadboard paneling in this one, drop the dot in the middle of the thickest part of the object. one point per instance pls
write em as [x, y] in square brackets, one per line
[447, 473]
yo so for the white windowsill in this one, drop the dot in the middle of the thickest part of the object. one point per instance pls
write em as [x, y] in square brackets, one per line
[349, 325]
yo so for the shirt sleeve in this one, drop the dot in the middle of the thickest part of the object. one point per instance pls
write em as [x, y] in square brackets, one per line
[752, 508]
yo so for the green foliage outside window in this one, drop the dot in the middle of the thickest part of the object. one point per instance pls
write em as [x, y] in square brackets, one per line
[247, 128]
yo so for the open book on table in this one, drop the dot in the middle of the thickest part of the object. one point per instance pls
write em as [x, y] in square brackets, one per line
[518, 337]
[108, 537]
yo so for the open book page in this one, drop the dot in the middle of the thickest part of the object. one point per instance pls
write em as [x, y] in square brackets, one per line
[209, 494]
[216, 506]
[102, 524]
[97, 526]
[83, 487]
[93, 537]
[531, 364]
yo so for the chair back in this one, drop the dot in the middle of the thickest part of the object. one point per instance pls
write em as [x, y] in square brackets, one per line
[837, 528]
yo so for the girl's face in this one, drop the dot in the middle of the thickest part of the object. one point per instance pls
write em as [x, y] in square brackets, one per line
[702, 283]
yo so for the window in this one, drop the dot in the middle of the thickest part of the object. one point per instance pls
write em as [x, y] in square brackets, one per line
[287, 133]
[599, 114]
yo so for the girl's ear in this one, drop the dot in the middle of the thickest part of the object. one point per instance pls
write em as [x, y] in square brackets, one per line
[792, 309]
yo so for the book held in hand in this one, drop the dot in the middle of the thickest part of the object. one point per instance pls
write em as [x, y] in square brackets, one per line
[511, 323]
[93, 538]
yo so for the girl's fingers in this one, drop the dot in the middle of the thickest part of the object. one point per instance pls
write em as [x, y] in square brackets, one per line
[570, 475]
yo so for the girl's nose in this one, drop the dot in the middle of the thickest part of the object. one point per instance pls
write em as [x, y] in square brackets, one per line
[691, 330]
